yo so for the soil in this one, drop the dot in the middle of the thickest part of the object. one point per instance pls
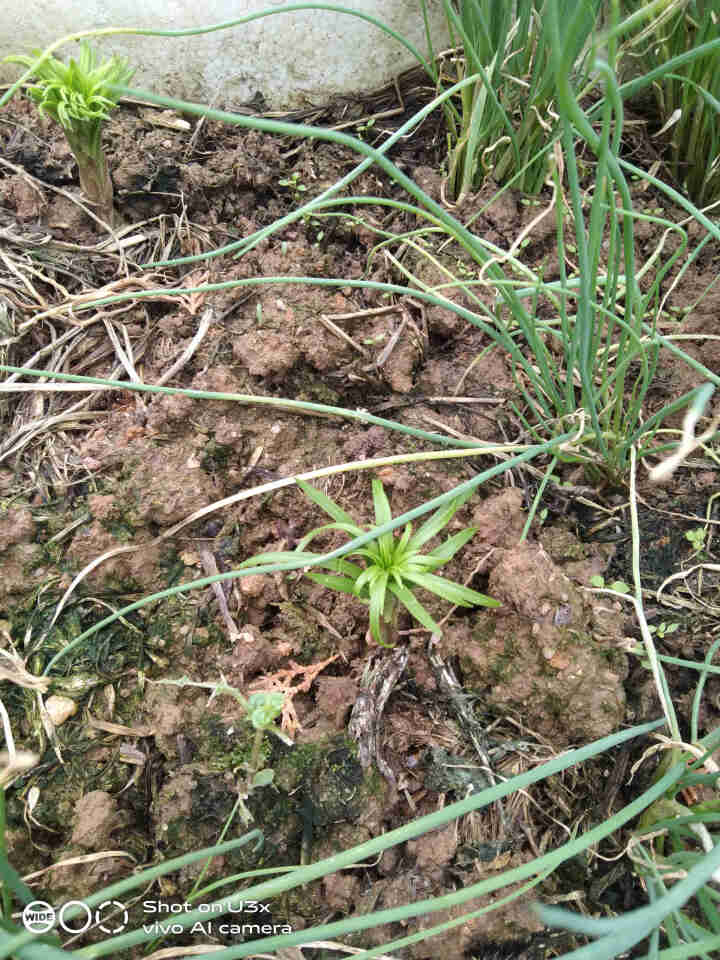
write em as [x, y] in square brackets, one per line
[149, 770]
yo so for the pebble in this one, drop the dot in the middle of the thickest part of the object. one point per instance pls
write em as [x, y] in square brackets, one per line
[60, 709]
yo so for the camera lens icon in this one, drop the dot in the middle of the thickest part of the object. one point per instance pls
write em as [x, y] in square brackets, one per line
[112, 917]
[75, 917]
[39, 917]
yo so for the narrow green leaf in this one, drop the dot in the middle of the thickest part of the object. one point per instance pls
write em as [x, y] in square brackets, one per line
[418, 563]
[325, 503]
[344, 566]
[438, 520]
[401, 547]
[343, 584]
[13, 881]
[383, 515]
[411, 603]
[370, 552]
[368, 576]
[348, 528]
[377, 604]
[454, 592]
[447, 550]
[432, 527]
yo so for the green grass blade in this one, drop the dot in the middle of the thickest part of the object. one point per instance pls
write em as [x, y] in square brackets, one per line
[437, 522]
[350, 528]
[33, 951]
[447, 550]
[402, 547]
[345, 567]
[454, 592]
[411, 603]
[622, 933]
[325, 503]
[377, 605]
[13, 881]
[369, 576]
[342, 584]
[383, 515]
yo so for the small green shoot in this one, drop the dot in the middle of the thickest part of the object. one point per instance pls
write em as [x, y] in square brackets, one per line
[76, 95]
[294, 184]
[367, 127]
[264, 708]
[261, 710]
[664, 629]
[393, 565]
[617, 586]
[696, 537]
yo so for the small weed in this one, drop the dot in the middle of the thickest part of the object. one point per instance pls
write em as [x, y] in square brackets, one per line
[619, 586]
[664, 629]
[696, 537]
[294, 184]
[77, 96]
[393, 566]
[261, 709]
[365, 128]
[371, 341]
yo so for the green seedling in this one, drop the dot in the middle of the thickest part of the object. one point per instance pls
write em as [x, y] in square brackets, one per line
[261, 710]
[367, 127]
[393, 566]
[76, 95]
[664, 629]
[378, 338]
[617, 586]
[696, 537]
[294, 184]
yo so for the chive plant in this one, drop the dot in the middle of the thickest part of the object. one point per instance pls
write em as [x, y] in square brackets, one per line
[587, 334]
[688, 97]
[609, 350]
[504, 124]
